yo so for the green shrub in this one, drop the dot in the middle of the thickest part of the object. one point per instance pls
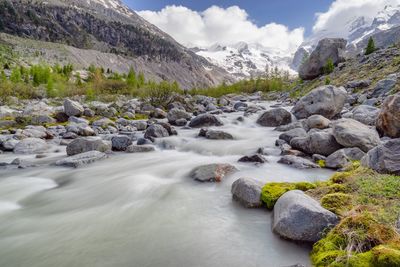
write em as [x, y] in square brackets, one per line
[370, 47]
[329, 66]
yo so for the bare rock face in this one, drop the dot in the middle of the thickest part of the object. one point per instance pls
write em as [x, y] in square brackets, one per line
[388, 121]
[329, 48]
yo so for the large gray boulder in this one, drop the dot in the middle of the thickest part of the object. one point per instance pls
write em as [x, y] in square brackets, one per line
[30, 146]
[73, 108]
[218, 135]
[212, 172]
[384, 158]
[205, 120]
[352, 133]
[176, 114]
[82, 145]
[320, 142]
[298, 162]
[327, 49]
[388, 121]
[327, 101]
[156, 131]
[289, 135]
[365, 114]
[384, 87]
[299, 217]
[120, 142]
[247, 192]
[275, 117]
[82, 159]
[343, 157]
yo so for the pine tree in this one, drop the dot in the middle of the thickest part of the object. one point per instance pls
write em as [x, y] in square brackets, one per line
[370, 47]
[329, 66]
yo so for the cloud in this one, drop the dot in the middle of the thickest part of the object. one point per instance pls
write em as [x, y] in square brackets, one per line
[224, 26]
[336, 20]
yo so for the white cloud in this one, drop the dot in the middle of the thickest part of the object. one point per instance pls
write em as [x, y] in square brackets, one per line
[223, 26]
[335, 20]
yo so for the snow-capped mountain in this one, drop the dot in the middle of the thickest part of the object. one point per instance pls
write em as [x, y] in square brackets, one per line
[244, 60]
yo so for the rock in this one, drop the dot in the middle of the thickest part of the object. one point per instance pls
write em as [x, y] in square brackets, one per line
[257, 158]
[30, 146]
[327, 101]
[343, 157]
[317, 142]
[212, 172]
[139, 149]
[140, 125]
[42, 119]
[388, 121]
[205, 120]
[298, 163]
[317, 122]
[290, 126]
[9, 145]
[120, 142]
[384, 158]
[79, 160]
[298, 217]
[358, 84]
[78, 120]
[89, 113]
[240, 106]
[218, 135]
[176, 114]
[247, 192]
[365, 114]
[289, 135]
[329, 48]
[383, 87]
[351, 133]
[159, 114]
[80, 129]
[181, 122]
[73, 108]
[275, 117]
[103, 123]
[156, 131]
[82, 145]
[143, 141]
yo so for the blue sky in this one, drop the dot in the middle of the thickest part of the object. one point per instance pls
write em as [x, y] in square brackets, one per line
[293, 13]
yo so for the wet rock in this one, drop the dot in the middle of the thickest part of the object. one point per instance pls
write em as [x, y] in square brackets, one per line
[9, 145]
[327, 101]
[218, 135]
[298, 217]
[298, 163]
[257, 158]
[351, 133]
[343, 158]
[275, 117]
[73, 108]
[289, 135]
[156, 131]
[212, 172]
[290, 126]
[81, 159]
[176, 114]
[247, 192]
[384, 158]
[159, 114]
[317, 122]
[205, 120]
[30, 146]
[388, 121]
[240, 106]
[120, 142]
[82, 145]
[139, 149]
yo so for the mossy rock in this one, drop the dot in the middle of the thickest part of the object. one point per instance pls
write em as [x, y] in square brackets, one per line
[328, 258]
[385, 256]
[336, 202]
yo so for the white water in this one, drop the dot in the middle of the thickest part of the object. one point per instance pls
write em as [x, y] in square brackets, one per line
[142, 210]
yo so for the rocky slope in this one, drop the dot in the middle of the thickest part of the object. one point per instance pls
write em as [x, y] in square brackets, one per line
[112, 29]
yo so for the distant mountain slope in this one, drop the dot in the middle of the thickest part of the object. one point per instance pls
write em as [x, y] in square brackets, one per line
[108, 26]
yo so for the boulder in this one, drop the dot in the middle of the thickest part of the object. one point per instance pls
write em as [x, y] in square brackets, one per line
[289, 135]
[79, 160]
[42, 119]
[218, 135]
[158, 114]
[247, 192]
[352, 133]
[120, 142]
[82, 145]
[365, 114]
[383, 87]
[139, 148]
[384, 158]
[317, 122]
[30, 146]
[73, 108]
[298, 217]
[388, 121]
[257, 158]
[156, 131]
[205, 120]
[298, 163]
[343, 157]
[275, 117]
[327, 49]
[176, 114]
[212, 172]
[327, 101]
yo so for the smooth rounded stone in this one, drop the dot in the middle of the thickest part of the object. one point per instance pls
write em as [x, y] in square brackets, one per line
[81, 159]
[365, 114]
[218, 135]
[120, 142]
[247, 192]
[34, 132]
[240, 106]
[212, 172]
[290, 126]
[88, 112]
[42, 119]
[170, 129]
[317, 122]
[140, 125]
[298, 217]
[327, 101]
[257, 158]
[181, 122]
[384, 158]
[156, 131]
[205, 120]
[159, 113]
[289, 135]
[75, 119]
[317, 142]
[30, 146]
[383, 87]
[86, 144]
[275, 117]
[298, 162]
[388, 121]
[103, 123]
[9, 145]
[343, 157]
[352, 133]
[139, 149]
[22, 164]
[73, 108]
[80, 129]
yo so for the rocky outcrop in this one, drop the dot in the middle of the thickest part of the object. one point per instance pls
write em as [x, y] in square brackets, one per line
[388, 121]
[247, 192]
[327, 49]
[275, 117]
[212, 172]
[298, 217]
[327, 101]
[384, 158]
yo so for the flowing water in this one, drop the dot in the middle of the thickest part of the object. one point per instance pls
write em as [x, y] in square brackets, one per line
[142, 209]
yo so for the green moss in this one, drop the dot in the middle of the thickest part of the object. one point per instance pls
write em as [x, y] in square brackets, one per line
[304, 186]
[141, 116]
[321, 163]
[337, 202]
[360, 260]
[385, 256]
